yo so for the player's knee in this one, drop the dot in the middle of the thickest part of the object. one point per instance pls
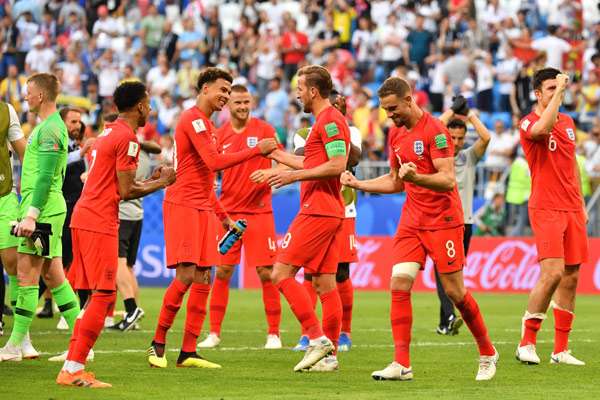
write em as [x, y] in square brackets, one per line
[224, 273]
[324, 283]
[551, 276]
[343, 272]
[202, 275]
[456, 295]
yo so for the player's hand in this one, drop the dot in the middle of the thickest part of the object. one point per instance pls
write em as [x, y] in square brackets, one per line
[25, 227]
[167, 175]
[266, 146]
[407, 172]
[562, 81]
[261, 175]
[87, 145]
[83, 177]
[281, 178]
[347, 179]
[228, 223]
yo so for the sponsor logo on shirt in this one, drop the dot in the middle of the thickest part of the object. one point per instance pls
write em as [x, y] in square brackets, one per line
[133, 149]
[199, 125]
[331, 129]
[252, 141]
[525, 124]
[441, 142]
[571, 133]
[418, 147]
[225, 146]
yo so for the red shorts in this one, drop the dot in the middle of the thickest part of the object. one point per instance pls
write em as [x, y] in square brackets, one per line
[95, 260]
[444, 246]
[313, 242]
[560, 234]
[259, 241]
[348, 245]
[190, 235]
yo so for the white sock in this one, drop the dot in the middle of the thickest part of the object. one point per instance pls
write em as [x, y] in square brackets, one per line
[73, 366]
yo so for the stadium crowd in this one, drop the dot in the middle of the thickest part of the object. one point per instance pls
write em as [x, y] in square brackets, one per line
[485, 50]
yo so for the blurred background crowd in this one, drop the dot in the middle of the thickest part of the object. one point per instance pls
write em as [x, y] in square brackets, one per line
[485, 50]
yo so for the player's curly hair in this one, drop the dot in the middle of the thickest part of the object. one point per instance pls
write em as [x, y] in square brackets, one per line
[318, 77]
[542, 75]
[394, 86]
[211, 74]
[128, 94]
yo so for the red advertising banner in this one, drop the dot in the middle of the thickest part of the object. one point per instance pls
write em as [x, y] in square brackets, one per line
[493, 265]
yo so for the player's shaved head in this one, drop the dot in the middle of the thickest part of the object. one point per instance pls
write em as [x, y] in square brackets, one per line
[128, 94]
[394, 86]
[317, 77]
[48, 84]
[239, 89]
[542, 75]
[212, 74]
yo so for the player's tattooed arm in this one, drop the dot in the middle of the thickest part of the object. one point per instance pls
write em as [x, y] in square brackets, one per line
[543, 126]
[130, 188]
[386, 184]
[443, 180]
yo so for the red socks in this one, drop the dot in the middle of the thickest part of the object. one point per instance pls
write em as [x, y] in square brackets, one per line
[272, 304]
[347, 296]
[401, 319]
[219, 298]
[472, 316]
[91, 325]
[332, 315]
[532, 326]
[171, 304]
[196, 311]
[563, 320]
[301, 306]
[312, 293]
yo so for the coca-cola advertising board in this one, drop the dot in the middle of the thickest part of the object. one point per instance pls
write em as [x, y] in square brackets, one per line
[493, 265]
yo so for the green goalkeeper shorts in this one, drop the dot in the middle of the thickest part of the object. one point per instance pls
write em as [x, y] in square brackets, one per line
[26, 245]
[9, 211]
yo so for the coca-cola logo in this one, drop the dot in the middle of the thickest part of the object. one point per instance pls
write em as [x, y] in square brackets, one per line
[511, 265]
[363, 273]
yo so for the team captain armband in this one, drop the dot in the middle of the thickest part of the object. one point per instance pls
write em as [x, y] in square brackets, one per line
[441, 142]
[336, 148]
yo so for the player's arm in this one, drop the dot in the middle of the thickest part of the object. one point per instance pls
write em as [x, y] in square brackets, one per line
[294, 161]
[543, 126]
[217, 161]
[355, 147]
[150, 146]
[130, 188]
[48, 157]
[578, 175]
[446, 117]
[385, 184]
[19, 147]
[442, 181]
[483, 140]
[15, 133]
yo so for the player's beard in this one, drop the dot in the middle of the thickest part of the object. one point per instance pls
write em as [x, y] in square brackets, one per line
[398, 121]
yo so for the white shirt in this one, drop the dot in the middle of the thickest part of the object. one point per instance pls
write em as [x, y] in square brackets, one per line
[485, 76]
[40, 60]
[160, 83]
[14, 133]
[508, 67]
[108, 25]
[366, 44]
[71, 78]
[503, 142]
[267, 64]
[554, 47]
[391, 52]
[108, 79]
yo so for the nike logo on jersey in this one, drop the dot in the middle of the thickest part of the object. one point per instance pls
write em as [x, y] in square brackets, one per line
[451, 262]
[226, 145]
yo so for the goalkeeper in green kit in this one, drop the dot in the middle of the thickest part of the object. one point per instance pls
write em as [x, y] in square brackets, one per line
[42, 207]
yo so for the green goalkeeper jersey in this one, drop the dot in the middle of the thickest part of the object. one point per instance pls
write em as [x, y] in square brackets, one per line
[44, 167]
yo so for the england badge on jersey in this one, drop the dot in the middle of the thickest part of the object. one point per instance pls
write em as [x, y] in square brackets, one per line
[418, 147]
[252, 141]
[199, 125]
[571, 133]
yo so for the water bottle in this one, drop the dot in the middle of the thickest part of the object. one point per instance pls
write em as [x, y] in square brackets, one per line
[233, 235]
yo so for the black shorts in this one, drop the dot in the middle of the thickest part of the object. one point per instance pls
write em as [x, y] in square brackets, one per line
[129, 240]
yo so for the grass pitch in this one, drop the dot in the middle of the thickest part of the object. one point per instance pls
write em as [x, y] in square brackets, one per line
[444, 367]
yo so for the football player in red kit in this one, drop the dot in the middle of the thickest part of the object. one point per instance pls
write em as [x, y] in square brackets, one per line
[422, 165]
[557, 214]
[190, 222]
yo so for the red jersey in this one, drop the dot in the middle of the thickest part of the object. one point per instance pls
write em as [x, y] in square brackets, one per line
[116, 149]
[323, 196]
[424, 208]
[238, 193]
[554, 180]
[289, 41]
[196, 159]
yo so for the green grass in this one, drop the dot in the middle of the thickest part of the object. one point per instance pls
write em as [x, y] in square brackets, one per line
[444, 367]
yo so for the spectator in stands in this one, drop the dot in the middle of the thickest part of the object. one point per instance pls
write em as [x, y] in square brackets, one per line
[392, 38]
[9, 35]
[507, 71]
[189, 42]
[456, 69]
[590, 144]
[13, 87]
[151, 31]
[364, 42]
[343, 15]
[276, 104]
[161, 78]
[294, 46]
[168, 150]
[485, 73]
[106, 28]
[554, 46]
[420, 42]
[590, 99]
[27, 31]
[491, 218]
[108, 72]
[500, 151]
[168, 110]
[521, 95]
[168, 42]
[39, 58]
[72, 68]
